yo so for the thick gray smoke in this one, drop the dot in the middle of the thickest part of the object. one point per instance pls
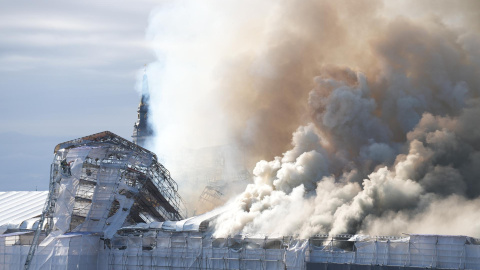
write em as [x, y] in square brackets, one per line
[383, 103]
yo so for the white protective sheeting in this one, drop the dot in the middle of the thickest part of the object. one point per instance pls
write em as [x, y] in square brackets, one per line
[163, 250]
[68, 186]
[69, 251]
[424, 251]
[193, 224]
[98, 183]
[103, 194]
[154, 249]
[19, 206]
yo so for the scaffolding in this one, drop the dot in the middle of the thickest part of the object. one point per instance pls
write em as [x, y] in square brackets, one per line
[147, 248]
[225, 173]
[104, 189]
[102, 182]
[214, 193]
[425, 251]
[193, 250]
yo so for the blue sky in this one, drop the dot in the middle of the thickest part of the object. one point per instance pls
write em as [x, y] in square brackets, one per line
[67, 69]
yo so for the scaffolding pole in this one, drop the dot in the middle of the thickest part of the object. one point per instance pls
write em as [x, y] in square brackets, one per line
[47, 212]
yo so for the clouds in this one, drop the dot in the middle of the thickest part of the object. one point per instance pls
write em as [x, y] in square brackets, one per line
[54, 53]
[68, 70]
[71, 35]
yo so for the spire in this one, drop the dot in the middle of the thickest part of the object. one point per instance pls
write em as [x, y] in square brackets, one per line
[142, 129]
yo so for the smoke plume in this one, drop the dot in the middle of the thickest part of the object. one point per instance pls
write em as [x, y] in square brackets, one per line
[382, 99]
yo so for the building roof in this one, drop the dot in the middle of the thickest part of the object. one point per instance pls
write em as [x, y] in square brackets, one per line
[105, 136]
[18, 206]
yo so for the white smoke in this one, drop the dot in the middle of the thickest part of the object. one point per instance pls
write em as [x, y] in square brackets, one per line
[384, 136]
[191, 41]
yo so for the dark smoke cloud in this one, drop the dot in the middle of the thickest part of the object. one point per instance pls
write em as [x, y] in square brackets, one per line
[381, 98]
[267, 91]
[399, 136]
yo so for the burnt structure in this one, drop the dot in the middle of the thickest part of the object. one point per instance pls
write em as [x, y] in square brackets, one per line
[214, 193]
[113, 171]
[224, 173]
[111, 205]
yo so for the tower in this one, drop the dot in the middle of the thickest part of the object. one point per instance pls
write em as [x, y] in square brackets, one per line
[142, 129]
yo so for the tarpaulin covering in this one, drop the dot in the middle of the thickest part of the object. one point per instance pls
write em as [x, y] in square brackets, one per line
[156, 249]
[431, 251]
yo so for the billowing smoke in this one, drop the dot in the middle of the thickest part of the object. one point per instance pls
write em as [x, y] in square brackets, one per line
[382, 99]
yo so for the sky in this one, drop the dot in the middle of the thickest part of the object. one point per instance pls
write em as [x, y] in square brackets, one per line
[67, 69]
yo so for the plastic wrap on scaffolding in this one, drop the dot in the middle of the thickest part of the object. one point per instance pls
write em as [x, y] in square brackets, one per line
[100, 183]
[69, 251]
[423, 251]
[68, 183]
[165, 250]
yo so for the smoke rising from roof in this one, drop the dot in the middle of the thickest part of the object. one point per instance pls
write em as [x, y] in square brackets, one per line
[382, 102]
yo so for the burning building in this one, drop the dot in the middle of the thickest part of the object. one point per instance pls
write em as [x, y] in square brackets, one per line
[387, 144]
[111, 205]
[100, 183]
[220, 169]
